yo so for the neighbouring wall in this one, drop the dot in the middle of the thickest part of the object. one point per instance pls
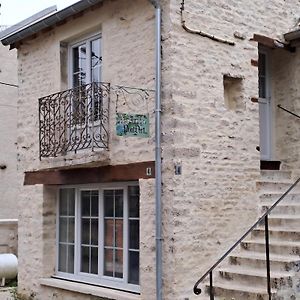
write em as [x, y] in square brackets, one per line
[8, 134]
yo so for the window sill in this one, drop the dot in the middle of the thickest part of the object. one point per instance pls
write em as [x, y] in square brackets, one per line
[88, 289]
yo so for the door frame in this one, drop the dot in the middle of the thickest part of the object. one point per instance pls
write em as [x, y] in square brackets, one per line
[268, 101]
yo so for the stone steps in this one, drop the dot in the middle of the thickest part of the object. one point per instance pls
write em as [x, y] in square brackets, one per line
[276, 175]
[225, 290]
[277, 233]
[276, 247]
[278, 187]
[283, 208]
[285, 220]
[257, 260]
[269, 197]
[254, 277]
[243, 275]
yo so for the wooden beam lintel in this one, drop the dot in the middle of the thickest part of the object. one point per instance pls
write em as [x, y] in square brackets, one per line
[110, 173]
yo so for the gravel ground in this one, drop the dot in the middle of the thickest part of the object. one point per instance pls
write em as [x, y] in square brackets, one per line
[5, 294]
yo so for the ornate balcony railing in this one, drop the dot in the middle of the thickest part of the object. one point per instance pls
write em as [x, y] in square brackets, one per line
[74, 120]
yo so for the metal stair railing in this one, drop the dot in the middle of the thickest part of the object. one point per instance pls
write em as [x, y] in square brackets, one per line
[288, 111]
[263, 218]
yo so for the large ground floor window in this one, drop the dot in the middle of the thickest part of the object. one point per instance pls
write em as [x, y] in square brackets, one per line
[98, 235]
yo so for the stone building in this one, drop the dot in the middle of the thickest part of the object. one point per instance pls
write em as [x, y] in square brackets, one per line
[8, 150]
[86, 144]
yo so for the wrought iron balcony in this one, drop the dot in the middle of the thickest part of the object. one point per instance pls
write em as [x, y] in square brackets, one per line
[74, 120]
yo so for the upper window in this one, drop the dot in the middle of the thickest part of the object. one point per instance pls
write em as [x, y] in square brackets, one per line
[85, 61]
[262, 74]
[98, 235]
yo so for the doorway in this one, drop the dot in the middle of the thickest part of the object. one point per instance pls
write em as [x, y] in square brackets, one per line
[265, 108]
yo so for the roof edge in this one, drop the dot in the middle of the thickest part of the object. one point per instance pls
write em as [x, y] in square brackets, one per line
[292, 35]
[20, 33]
[28, 21]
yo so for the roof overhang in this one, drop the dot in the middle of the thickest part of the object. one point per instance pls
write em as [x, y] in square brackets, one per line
[43, 20]
[293, 37]
[272, 43]
[155, 3]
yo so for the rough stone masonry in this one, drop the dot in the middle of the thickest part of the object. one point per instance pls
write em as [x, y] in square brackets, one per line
[212, 138]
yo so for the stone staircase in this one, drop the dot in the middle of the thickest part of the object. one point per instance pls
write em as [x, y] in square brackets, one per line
[243, 275]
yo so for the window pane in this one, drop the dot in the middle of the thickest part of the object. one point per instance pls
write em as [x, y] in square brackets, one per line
[85, 204]
[63, 229]
[85, 254]
[134, 190]
[119, 234]
[66, 202]
[262, 64]
[134, 236]
[96, 60]
[70, 267]
[71, 202]
[262, 87]
[63, 203]
[62, 258]
[108, 262]
[66, 230]
[109, 232]
[96, 74]
[94, 232]
[134, 199]
[108, 204]
[262, 75]
[89, 231]
[133, 274]
[119, 203]
[66, 258]
[119, 263]
[94, 260]
[79, 65]
[71, 227]
[85, 231]
[95, 204]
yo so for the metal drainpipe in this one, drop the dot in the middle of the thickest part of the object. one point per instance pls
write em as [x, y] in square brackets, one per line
[158, 159]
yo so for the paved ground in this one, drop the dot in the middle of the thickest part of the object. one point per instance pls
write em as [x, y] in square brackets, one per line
[5, 294]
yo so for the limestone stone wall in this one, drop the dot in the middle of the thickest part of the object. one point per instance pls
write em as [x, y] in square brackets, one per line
[128, 60]
[214, 200]
[285, 82]
[8, 134]
[9, 236]
[127, 30]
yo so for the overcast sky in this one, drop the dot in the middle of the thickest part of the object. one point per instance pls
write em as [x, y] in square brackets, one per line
[14, 11]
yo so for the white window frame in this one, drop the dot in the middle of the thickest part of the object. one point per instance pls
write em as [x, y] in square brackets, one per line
[87, 41]
[97, 279]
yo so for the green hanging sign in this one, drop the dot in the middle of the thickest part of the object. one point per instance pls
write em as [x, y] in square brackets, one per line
[132, 125]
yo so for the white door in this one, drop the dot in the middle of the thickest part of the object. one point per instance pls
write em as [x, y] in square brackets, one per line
[265, 128]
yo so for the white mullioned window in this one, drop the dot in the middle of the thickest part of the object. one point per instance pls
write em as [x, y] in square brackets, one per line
[85, 61]
[85, 65]
[98, 235]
